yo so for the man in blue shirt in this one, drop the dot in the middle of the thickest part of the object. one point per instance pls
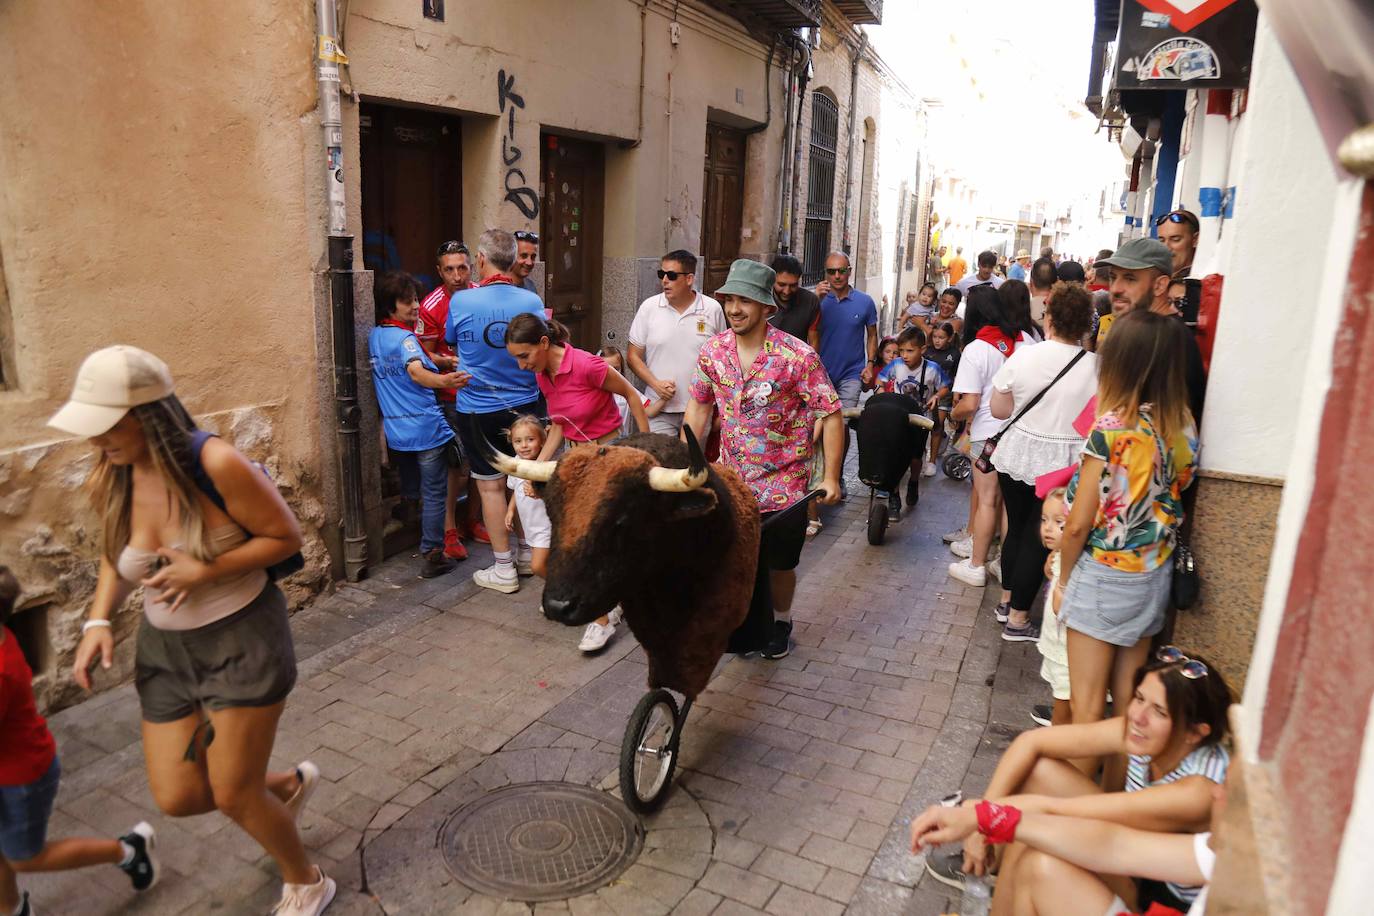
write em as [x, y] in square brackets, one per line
[499, 390]
[1020, 268]
[848, 333]
[405, 377]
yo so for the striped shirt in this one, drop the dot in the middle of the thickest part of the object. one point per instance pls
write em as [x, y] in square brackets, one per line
[1209, 761]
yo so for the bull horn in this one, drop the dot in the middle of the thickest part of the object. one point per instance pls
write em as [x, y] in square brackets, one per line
[850, 413]
[917, 420]
[681, 480]
[537, 471]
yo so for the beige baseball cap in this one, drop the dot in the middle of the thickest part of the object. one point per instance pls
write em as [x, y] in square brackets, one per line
[109, 382]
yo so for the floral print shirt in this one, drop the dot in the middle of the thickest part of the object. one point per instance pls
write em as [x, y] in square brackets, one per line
[767, 412]
[1140, 499]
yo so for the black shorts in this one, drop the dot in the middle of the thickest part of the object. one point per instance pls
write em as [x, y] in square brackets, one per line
[245, 659]
[493, 426]
[451, 415]
[780, 543]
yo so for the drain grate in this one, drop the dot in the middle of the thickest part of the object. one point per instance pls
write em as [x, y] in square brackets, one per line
[541, 841]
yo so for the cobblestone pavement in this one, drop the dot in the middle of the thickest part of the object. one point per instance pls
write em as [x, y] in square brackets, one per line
[798, 781]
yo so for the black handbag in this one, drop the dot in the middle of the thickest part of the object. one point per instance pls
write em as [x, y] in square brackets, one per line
[1187, 584]
[984, 461]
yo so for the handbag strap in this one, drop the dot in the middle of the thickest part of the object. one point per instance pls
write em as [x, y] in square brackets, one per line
[1043, 391]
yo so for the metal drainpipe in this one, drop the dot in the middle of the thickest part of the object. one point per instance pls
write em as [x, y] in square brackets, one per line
[794, 234]
[784, 238]
[347, 414]
[849, 165]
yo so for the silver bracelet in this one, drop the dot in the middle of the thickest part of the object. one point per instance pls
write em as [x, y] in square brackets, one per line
[93, 624]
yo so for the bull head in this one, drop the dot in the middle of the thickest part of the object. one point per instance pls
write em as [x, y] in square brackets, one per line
[665, 480]
[915, 419]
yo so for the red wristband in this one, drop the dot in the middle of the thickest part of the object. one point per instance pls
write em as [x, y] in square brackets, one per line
[997, 822]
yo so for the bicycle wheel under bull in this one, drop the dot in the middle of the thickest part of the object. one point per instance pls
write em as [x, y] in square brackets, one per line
[648, 753]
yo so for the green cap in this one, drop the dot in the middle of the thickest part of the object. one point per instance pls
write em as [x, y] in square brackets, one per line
[751, 280]
[1138, 254]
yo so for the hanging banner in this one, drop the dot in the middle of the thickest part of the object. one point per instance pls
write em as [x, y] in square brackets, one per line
[1185, 44]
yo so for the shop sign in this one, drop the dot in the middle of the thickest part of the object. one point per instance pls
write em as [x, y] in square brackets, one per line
[1185, 44]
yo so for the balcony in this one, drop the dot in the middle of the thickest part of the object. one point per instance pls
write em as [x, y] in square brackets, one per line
[774, 14]
[861, 12]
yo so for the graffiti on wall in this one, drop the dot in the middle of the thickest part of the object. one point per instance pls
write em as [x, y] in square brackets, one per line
[518, 191]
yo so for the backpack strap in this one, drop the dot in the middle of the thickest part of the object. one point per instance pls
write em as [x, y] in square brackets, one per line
[202, 479]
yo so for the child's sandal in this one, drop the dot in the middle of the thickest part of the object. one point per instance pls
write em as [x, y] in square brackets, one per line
[813, 527]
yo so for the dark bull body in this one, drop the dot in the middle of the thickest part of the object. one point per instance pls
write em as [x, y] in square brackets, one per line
[680, 565]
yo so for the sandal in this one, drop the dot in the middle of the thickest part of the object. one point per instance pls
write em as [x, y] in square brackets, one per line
[813, 527]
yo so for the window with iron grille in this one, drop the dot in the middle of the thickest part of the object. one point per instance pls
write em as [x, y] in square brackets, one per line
[820, 185]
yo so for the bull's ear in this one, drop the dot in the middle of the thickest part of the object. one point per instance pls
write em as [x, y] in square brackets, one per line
[693, 503]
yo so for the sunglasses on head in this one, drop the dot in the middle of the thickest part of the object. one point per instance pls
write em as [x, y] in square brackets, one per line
[671, 274]
[837, 270]
[1178, 216]
[1190, 668]
[452, 248]
[524, 235]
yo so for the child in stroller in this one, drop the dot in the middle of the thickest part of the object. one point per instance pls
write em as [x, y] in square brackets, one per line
[925, 382]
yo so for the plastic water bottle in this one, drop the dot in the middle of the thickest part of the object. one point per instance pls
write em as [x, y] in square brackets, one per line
[977, 899]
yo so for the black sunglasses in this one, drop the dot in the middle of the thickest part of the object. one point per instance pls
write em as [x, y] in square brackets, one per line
[1178, 216]
[1191, 668]
[524, 235]
[671, 274]
[452, 248]
[837, 270]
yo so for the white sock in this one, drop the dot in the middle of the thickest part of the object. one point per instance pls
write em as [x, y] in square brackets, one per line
[128, 854]
[504, 566]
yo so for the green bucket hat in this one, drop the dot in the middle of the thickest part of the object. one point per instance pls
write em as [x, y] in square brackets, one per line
[751, 280]
[1138, 254]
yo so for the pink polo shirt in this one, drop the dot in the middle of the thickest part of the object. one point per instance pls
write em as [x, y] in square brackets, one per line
[577, 402]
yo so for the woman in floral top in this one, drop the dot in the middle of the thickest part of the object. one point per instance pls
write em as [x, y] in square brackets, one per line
[1127, 503]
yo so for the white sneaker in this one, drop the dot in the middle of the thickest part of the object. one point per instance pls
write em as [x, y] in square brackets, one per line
[524, 566]
[928, 470]
[596, 636]
[309, 776]
[962, 548]
[306, 899]
[994, 568]
[953, 536]
[492, 578]
[616, 615]
[969, 574]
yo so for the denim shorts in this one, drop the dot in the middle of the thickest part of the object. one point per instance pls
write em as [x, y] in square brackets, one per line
[24, 814]
[1114, 606]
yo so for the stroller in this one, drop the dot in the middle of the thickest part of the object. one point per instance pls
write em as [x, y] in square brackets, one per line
[892, 431]
[954, 459]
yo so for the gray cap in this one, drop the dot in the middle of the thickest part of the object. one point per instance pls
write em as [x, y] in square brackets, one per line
[1138, 254]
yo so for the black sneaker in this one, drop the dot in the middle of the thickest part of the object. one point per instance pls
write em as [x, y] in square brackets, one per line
[894, 507]
[1042, 714]
[913, 494]
[781, 643]
[142, 868]
[436, 564]
[947, 867]
[1028, 632]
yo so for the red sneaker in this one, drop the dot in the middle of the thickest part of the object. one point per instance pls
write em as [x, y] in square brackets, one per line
[477, 532]
[453, 545]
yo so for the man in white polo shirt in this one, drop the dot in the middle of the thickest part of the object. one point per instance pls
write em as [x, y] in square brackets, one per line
[667, 335]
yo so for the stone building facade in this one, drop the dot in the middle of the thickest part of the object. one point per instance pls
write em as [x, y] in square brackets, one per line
[170, 195]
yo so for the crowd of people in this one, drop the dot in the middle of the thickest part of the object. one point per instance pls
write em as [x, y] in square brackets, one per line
[1082, 423]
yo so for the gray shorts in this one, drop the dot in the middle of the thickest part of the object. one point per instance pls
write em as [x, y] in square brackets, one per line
[245, 659]
[848, 391]
[669, 424]
[1114, 606]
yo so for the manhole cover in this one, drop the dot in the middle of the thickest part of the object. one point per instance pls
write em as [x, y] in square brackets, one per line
[541, 841]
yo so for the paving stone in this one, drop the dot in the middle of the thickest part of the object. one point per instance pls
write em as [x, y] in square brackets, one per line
[736, 851]
[836, 854]
[789, 869]
[789, 901]
[838, 885]
[739, 885]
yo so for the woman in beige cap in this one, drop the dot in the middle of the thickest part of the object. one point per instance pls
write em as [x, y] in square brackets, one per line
[198, 526]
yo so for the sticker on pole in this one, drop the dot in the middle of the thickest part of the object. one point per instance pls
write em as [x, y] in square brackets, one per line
[1177, 60]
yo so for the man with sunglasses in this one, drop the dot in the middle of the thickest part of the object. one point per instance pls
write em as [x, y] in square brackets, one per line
[1178, 231]
[667, 335]
[526, 253]
[848, 334]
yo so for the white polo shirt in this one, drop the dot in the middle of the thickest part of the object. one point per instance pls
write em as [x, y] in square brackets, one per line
[672, 342]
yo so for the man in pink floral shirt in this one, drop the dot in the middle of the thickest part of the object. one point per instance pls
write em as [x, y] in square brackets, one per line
[767, 413]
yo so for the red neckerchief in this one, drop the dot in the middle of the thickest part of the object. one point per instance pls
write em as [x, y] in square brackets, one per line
[497, 278]
[992, 334]
[400, 324]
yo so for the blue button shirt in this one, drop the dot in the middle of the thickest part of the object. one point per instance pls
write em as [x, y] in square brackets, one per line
[410, 414]
[477, 320]
[844, 333]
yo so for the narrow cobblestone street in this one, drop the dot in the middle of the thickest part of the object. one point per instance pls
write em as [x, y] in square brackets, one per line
[798, 777]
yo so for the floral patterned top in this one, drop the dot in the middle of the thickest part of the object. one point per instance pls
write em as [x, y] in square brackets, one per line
[766, 413]
[1140, 503]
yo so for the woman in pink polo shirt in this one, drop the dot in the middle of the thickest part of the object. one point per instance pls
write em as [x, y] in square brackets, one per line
[577, 385]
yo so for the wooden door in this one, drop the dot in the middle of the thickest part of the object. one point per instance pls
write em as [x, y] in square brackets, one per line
[412, 188]
[571, 213]
[722, 211]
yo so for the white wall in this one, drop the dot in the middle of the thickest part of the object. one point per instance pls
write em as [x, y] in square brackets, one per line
[1270, 256]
